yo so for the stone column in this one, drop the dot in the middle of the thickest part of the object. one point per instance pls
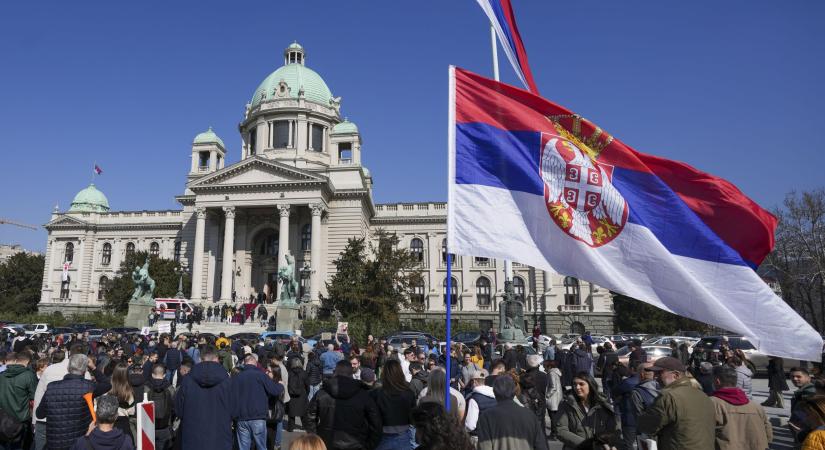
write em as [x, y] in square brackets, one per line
[283, 241]
[315, 252]
[213, 160]
[197, 256]
[228, 253]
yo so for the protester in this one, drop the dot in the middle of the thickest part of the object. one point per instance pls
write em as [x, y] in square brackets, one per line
[586, 416]
[204, 405]
[54, 372]
[329, 359]
[360, 426]
[307, 442]
[63, 403]
[554, 393]
[777, 383]
[123, 391]
[315, 374]
[434, 392]
[533, 384]
[622, 395]
[705, 377]
[105, 435]
[419, 378]
[643, 395]
[435, 429]
[250, 390]
[743, 374]
[801, 379]
[508, 425]
[740, 422]
[18, 384]
[682, 416]
[480, 399]
[394, 400]
[298, 388]
[813, 409]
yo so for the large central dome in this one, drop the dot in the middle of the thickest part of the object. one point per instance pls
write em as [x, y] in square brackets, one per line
[297, 76]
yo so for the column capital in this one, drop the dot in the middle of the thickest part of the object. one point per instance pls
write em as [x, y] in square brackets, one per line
[201, 212]
[283, 210]
[317, 209]
[229, 211]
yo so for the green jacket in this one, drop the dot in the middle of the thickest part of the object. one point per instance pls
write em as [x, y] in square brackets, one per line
[574, 426]
[804, 391]
[682, 418]
[17, 386]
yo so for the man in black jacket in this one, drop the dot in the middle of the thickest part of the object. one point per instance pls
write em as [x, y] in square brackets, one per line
[508, 425]
[347, 416]
[63, 404]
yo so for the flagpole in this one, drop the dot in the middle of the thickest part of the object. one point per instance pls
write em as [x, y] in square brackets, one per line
[449, 305]
[94, 172]
[508, 265]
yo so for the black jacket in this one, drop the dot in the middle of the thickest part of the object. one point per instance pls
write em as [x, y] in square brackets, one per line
[315, 372]
[510, 358]
[533, 388]
[67, 412]
[418, 383]
[508, 425]
[251, 389]
[203, 403]
[298, 392]
[172, 359]
[347, 416]
[393, 406]
[98, 440]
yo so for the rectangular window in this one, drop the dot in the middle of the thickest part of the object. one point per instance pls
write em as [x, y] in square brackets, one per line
[317, 141]
[281, 134]
[203, 160]
[345, 153]
[253, 140]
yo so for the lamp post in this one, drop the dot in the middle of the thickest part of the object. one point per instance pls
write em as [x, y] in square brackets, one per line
[180, 271]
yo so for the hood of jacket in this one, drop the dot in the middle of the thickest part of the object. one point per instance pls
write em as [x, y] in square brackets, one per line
[13, 371]
[111, 440]
[484, 390]
[343, 387]
[732, 395]
[743, 369]
[157, 385]
[208, 374]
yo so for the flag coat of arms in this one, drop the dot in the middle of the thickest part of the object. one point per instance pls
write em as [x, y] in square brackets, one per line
[531, 181]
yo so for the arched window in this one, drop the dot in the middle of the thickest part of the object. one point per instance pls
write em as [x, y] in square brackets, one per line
[306, 237]
[518, 288]
[417, 249]
[453, 291]
[102, 287]
[483, 291]
[577, 328]
[69, 254]
[268, 245]
[106, 259]
[130, 249]
[444, 254]
[417, 297]
[154, 249]
[177, 251]
[64, 288]
[571, 291]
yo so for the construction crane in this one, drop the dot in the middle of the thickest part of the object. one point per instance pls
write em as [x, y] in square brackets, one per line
[17, 224]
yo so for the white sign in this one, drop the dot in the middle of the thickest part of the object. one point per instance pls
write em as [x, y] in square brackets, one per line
[343, 328]
[164, 328]
[145, 331]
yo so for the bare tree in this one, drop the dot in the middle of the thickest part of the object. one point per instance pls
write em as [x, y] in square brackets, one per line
[797, 263]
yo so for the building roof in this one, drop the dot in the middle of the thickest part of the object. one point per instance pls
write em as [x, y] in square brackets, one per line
[345, 127]
[208, 137]
[296, 76]
[90, 200]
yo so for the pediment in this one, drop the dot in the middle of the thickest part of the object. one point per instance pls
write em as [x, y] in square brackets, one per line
[256, 171]
[67, 220]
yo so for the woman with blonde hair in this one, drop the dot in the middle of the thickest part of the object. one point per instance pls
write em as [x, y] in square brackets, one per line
[308, 442]
[122, 390]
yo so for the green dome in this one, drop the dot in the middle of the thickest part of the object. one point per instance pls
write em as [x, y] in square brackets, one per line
[295, 46]
[90, 200]
[295, 75]
[208, 137]
[345, 127]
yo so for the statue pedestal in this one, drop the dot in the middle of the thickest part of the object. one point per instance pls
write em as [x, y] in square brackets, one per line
[287, 318]
[138, 315]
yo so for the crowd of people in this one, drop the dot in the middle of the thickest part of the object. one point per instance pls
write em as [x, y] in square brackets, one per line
[211, 392]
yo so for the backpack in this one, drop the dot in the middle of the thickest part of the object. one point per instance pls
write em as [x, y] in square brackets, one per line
[163, 407]
[10, 427]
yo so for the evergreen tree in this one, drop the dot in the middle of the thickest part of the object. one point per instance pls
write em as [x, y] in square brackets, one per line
[21, 278]
[163, 271]
[635, 316]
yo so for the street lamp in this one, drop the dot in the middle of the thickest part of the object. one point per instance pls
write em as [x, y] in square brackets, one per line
[180, 271]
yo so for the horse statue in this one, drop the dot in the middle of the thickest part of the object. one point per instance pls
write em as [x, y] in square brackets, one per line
[289, 287]
[144, 285]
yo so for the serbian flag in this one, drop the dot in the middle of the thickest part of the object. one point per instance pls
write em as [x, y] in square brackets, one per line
[97, 170]
[500, 13]
[533, 182]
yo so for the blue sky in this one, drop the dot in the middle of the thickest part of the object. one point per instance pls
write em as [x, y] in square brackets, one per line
[734, 88]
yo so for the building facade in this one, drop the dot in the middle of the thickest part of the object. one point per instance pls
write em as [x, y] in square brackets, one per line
[299, 188]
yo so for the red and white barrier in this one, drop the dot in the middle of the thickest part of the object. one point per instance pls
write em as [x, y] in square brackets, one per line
[146, 425]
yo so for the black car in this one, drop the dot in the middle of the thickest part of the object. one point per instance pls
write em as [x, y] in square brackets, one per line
[246, 336]
[81, 327]
[469, 338]
[125, 330]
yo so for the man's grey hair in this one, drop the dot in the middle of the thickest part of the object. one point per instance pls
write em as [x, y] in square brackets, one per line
[251, 358]
[78, 364]
[533, 360]
[106, 409]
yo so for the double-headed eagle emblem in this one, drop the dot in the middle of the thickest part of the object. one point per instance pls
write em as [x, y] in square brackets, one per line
[578, 190]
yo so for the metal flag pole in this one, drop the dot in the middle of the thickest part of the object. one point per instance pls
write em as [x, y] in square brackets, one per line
[508, 265]
[449, 305]
[94, 172]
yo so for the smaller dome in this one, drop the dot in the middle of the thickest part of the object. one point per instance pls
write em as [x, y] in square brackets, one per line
[345, 127]
[90, 200]
[208, 137]
[295, 46]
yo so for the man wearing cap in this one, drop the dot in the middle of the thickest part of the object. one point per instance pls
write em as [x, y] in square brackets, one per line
[682, 417]
[481, 399]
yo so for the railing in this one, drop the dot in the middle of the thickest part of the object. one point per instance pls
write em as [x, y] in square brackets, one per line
[573, 308]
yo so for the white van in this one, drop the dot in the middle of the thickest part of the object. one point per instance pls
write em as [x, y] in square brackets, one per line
[166, 306]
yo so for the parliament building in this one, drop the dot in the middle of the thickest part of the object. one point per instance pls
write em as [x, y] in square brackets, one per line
[299, 187]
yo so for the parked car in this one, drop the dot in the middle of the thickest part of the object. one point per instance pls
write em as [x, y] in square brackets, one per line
[468, 338]
[499, 350]
[654, 352]
[246, 336]
[66, 332]
[125, 330]
[36, 328]
[759, 359]
[666, 340]
[81, 327]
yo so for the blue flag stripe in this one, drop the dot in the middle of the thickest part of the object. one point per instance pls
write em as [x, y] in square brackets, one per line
[486, 155]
